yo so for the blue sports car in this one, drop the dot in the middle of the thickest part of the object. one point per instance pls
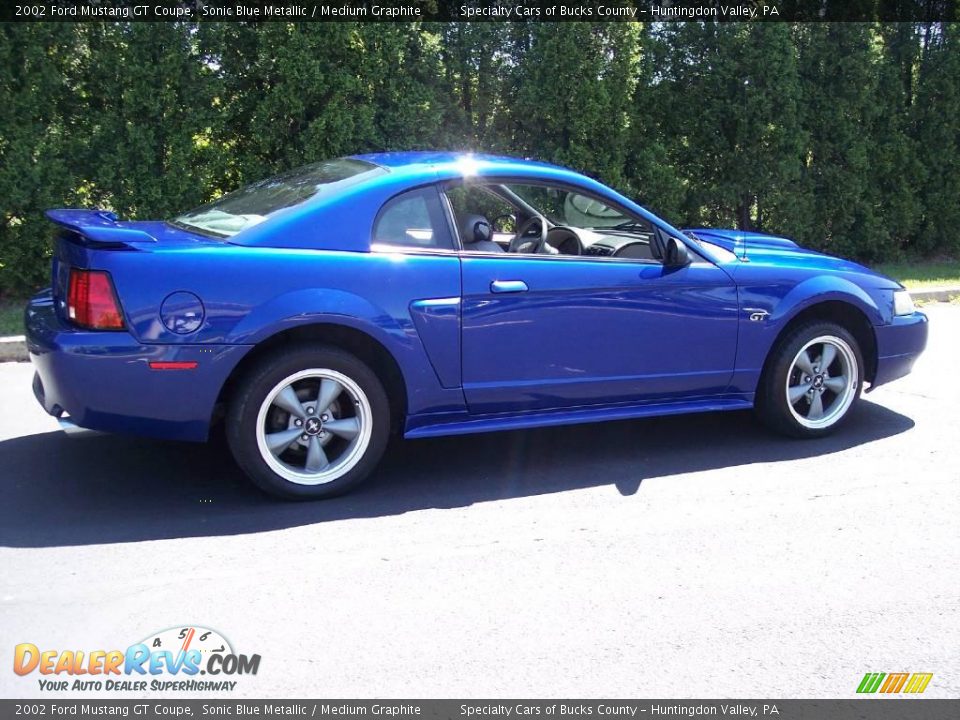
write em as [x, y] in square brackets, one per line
[426, 294]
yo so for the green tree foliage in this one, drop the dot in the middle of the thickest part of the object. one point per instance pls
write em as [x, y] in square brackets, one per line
[651, 176]
[843, 135]
[937, 119]
[471, 88]
[574, 90]
[842, 113]
[899, 171]
[141, 104]
[731, 95]
[290, 94]
[36, 141]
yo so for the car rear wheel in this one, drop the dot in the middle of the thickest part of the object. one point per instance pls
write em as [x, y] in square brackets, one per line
[812, 381]
[309, 423]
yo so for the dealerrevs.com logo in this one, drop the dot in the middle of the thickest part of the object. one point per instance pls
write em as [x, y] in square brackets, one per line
[170, 660]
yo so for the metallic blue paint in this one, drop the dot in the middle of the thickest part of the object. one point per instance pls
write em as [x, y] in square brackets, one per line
[901, 341]
[591, 331]
[438, 325]
[587, 339]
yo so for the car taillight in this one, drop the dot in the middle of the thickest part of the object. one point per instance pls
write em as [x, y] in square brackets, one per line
[91, 301]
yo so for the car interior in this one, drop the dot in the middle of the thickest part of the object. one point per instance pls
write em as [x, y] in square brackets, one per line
[537, 219]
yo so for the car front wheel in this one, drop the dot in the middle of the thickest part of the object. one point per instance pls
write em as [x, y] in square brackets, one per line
[812, 380]
[309, 423]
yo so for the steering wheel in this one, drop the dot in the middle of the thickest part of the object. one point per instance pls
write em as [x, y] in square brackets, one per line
[522, 244]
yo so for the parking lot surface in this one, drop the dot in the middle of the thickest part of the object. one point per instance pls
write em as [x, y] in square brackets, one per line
[694, 556]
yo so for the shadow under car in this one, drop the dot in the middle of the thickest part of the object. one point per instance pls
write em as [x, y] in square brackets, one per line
[109, 489]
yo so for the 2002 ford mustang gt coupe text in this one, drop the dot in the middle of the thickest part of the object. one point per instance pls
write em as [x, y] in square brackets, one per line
[438, 293]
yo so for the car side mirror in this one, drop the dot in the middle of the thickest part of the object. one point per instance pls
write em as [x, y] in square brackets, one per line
[678, 255]
[505, 224]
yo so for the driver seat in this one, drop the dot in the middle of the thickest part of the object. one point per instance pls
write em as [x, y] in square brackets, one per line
[475, 233]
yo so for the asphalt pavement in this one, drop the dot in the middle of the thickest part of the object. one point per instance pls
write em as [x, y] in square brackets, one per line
[696, 556]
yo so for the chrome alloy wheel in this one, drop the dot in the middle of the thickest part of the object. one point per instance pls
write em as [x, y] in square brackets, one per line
[822, 382]
[314, 426]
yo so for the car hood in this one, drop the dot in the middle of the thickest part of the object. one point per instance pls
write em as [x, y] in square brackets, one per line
[772, 250]
[739, 241]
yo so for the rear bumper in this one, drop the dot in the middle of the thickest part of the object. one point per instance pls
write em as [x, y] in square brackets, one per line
[103, 381]
[899, 344]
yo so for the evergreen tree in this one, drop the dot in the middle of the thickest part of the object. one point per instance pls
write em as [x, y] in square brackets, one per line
[839, 67]
[36, 143]
[294, 94]
[402, 68]
[732, 100]
[574, 96]
[146, 113]
[843, 135]
[476, 59]
[937, 118]
[652, 178]
[898, 174]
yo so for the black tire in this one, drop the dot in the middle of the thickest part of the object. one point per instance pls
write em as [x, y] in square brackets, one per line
[772, 404]
[263, 378]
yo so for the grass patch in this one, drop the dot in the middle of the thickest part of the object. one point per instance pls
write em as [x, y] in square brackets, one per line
[924, 275]
[11, 317]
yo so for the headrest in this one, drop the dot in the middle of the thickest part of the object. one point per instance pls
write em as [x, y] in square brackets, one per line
[474, 229]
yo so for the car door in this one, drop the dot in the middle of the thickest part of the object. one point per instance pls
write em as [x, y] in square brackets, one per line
[549, 331]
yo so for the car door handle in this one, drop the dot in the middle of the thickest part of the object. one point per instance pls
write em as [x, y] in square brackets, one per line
[508, 286]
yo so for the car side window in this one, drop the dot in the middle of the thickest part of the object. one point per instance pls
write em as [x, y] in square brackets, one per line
[586, 225]
[478, 200]
[533, 218]
[413, 219]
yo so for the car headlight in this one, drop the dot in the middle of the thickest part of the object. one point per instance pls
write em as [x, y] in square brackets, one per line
[903, 303]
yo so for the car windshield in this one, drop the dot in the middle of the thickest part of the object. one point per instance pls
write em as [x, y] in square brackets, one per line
[562, 207]
[252, 204]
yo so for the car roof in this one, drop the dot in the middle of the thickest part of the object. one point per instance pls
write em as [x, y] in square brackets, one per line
[432, 160]
[403, 171]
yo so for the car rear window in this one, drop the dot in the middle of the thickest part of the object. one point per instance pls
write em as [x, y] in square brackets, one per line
[252, 204]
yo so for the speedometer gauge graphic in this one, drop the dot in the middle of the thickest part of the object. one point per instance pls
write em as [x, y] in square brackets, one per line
[188, 637]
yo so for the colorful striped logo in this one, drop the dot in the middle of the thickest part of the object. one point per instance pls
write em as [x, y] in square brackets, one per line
[894, 683]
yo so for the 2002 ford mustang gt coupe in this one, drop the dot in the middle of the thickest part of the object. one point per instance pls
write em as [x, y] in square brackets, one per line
[439, 293]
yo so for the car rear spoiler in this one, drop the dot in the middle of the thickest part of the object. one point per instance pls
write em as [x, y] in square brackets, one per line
[98, 226]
